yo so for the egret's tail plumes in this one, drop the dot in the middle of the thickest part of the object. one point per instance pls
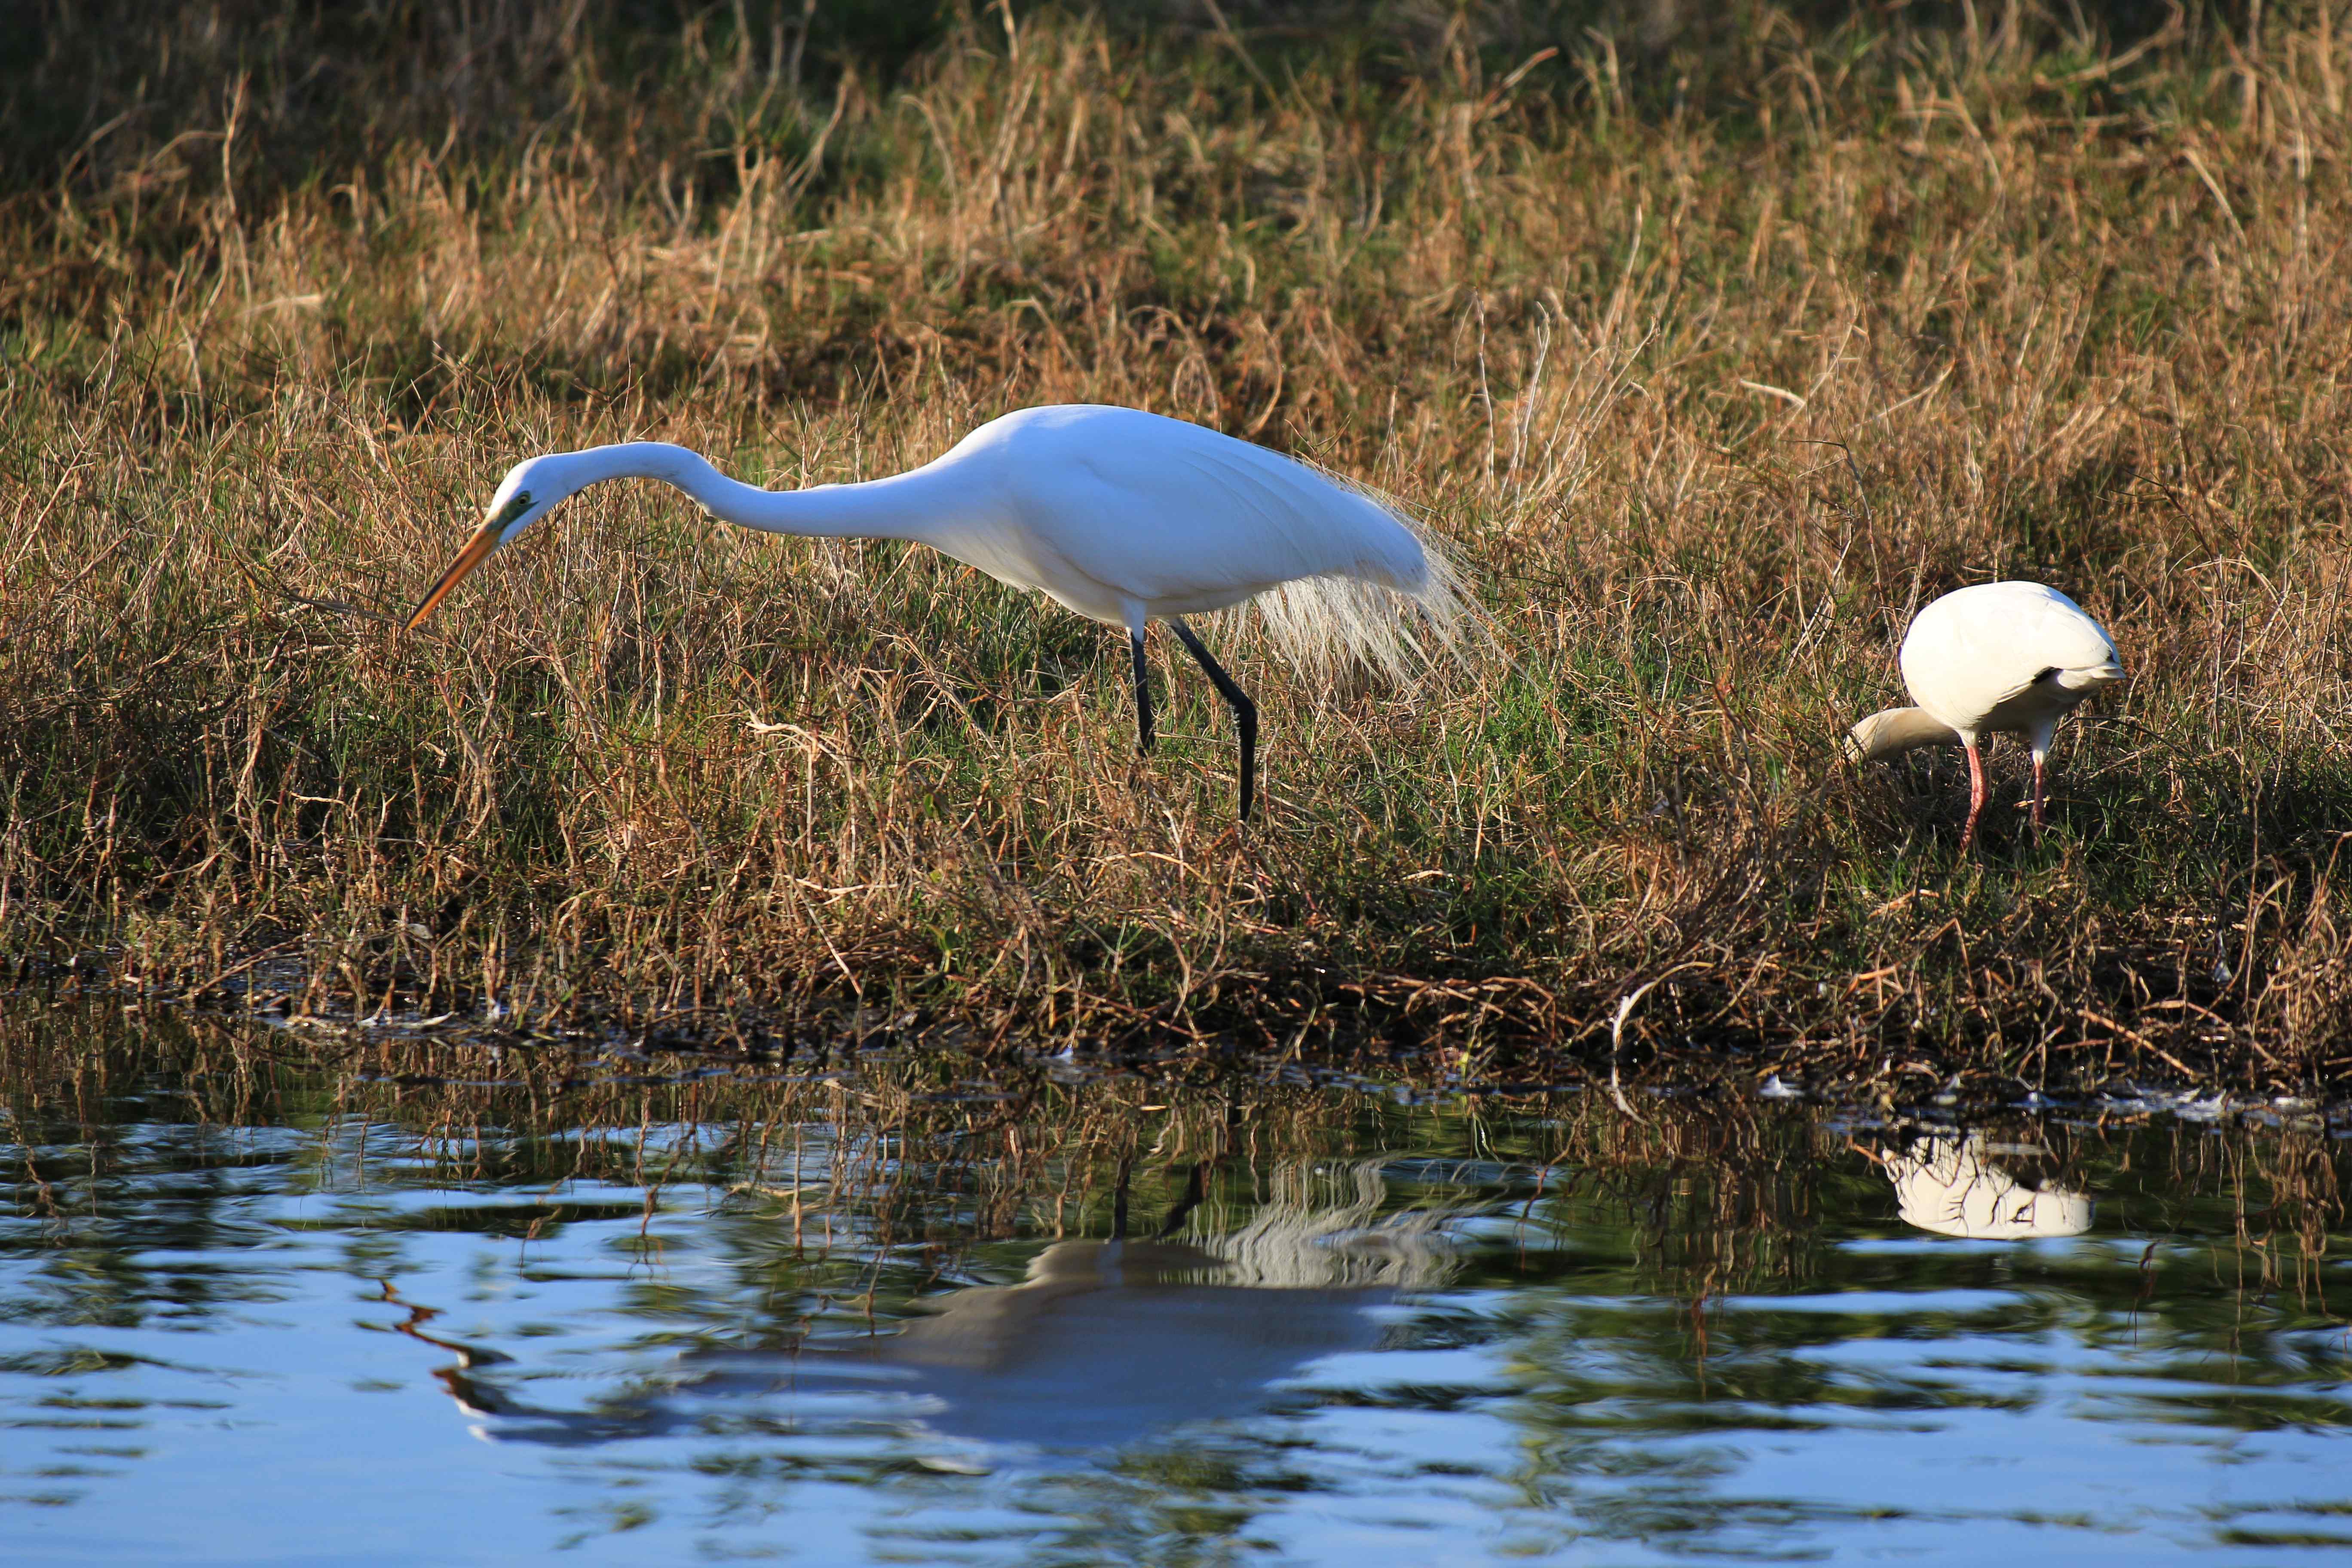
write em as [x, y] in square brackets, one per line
[1398, 617]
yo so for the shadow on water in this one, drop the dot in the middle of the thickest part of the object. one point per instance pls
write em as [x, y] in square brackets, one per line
[256, 1303]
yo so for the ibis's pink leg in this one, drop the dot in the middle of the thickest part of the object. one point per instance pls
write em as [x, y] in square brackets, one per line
[1976, 792]
[2037, 792]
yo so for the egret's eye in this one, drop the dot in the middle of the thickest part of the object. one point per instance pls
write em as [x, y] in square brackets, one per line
[520, 504]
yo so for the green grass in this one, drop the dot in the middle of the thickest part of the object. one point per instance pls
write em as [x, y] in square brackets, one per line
[2071, 316]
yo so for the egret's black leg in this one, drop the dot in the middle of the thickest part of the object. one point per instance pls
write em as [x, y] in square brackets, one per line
[1142, 696]
[1244, 711]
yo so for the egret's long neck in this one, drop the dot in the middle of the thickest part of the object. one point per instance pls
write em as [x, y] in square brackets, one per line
[913, 505]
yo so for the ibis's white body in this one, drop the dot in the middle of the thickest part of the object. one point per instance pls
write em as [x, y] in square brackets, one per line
[2014, 656]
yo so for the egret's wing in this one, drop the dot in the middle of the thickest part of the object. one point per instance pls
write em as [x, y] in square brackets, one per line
[1178, 518]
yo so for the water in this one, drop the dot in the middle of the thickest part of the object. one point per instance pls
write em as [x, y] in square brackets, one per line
[254, 1311]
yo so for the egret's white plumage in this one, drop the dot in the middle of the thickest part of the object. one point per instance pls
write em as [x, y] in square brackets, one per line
[1122, 516]
[2013, 657]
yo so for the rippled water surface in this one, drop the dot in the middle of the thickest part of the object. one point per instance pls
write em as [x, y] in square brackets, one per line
[253, 1312]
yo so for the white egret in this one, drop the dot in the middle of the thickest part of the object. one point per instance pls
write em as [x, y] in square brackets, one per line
[1122, 516]
[1999, 655]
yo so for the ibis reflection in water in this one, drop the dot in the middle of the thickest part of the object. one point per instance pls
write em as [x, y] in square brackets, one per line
[1103, 1342]
[1950, 1184]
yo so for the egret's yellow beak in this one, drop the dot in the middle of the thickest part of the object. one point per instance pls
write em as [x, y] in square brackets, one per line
[478, 550]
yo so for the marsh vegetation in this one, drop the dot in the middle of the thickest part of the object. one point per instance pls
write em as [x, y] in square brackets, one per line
[1713, 352]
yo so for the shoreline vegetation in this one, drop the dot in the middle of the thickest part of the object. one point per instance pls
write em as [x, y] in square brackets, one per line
[1716, 1193]
[1712, 349]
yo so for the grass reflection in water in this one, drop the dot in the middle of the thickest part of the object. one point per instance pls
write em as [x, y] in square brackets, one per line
[250, 1305]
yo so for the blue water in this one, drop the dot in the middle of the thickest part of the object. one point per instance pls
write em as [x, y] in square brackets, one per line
[340, 1333]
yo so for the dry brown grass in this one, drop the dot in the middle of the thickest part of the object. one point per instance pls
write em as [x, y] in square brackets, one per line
[2075, 312]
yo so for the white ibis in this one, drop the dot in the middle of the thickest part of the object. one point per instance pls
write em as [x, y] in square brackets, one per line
[2001, 656]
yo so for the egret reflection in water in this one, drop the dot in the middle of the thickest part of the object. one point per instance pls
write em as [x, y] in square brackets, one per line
[1951, 1185]
[1102, 1343]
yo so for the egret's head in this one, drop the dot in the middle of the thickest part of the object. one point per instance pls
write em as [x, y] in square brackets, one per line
[529, 492]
